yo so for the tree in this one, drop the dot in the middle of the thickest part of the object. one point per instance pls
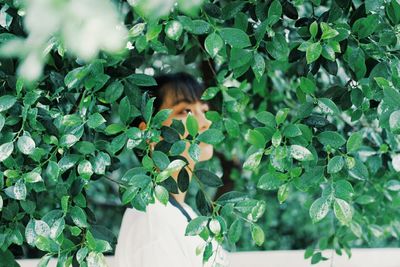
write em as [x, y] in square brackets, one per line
[307, 103]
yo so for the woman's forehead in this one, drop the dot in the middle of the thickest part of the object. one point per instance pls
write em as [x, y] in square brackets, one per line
[172, 98]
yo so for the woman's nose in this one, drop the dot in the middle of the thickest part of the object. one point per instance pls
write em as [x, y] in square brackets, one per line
[203, 122]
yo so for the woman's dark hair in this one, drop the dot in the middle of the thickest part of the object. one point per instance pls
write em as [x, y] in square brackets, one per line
[181, 84]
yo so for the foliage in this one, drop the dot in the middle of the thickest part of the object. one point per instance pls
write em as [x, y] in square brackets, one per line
[307, 107]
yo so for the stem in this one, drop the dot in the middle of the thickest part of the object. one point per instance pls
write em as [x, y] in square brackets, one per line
[202, 189]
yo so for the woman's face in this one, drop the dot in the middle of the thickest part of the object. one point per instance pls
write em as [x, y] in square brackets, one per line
[180, 110]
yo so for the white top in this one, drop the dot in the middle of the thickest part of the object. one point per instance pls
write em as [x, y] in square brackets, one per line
[156, 238]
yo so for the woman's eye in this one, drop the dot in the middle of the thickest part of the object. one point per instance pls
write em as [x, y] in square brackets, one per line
[185, 111]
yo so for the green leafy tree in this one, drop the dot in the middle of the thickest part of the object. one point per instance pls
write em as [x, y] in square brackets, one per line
[306, 119]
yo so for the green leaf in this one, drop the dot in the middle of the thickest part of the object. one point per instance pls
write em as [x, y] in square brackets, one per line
[354, 142]
[255, 138]
[281, 115]
[114, 128]
[129, 194]
[328, 106]
[266, 118]
[173, 30]
[148, 110]
[161, 116]
[160, 159]
[393, 185]
[313, 52]
[2, 121]
[32, 177]
[327, 31]
[199, 27]
[274, 12]
[174, 166]
[335, 164]
[113, 91]
[301, 153]
[235, 231]
[232, 197]
[208, 178]
[253, 161]
[271, 180]
[5, 150]
[394, 122]
[343, 211]
[192, 125]
[17, 191]
[343, 190]
[235, 37]
[81, 254]
[276, 138]
[314, 29]
[307, 85]
[332, 139]
[196, 226]
[319, 209]
[210, 93]
[26, 144]
[95, 120]
[213, 44]
[257, 234]
[258, 66]
[52, 171]
[161, 194]
[211, 136]
[142, 79]
[78, 216]
[194, 151]
[124, 110]
[292, 130]
[177, 148]
[85, 169]
[283, 193]
[183, 180]
[6, 102]
[232, 127]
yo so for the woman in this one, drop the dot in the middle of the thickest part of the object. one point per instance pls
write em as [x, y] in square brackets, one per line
[157, 237]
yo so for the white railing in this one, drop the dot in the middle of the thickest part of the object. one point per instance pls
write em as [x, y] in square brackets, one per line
[380, 257]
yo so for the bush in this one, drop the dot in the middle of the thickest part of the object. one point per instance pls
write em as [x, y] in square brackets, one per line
[306, 101]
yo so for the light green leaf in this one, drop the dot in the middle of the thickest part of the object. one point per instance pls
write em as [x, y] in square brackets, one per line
[253, 160]
[211, 136]
[354, 142]
[328, 106]
[192, 125]
[331, 138]
[394, 122]
[235, 37]
[95, 120]
[6, 102]
[313, 52]
[300, 153]
[78, 216]
[196, 226]
[213, 44]
[327, 31]
[335, 164]
[257, 234]
[343, 211]
[161, 194]
[5, 150]
[26, 144]
[173, 30]
[307, 85]
[319, 209]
